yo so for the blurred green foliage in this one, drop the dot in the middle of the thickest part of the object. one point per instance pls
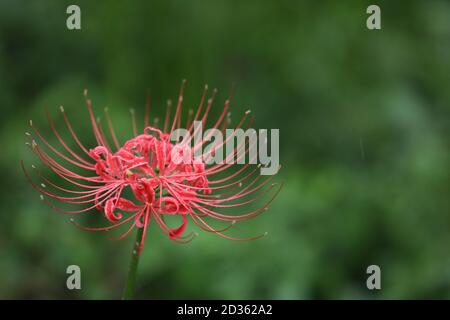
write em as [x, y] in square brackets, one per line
[364, 120]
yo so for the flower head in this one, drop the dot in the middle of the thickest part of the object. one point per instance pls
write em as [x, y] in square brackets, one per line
[159, 185]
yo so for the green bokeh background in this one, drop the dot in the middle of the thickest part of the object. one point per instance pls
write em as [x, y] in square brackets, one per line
[364, 126]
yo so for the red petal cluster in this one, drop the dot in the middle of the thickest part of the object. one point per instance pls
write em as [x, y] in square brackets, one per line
[159, 185]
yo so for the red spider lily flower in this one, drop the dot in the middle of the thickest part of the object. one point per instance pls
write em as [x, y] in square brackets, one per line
[160, 186]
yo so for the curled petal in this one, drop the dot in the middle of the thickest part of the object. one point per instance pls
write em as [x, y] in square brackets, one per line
[126, 205]
[115, 166]
[178, 232]
[125, 155]
[170, 205]
[121, 204]
[100, 169]
[199, 167]
[109, 211]
[143, 190]
[97, 152]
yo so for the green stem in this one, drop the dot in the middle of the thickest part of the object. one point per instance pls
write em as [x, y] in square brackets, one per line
[131, 278]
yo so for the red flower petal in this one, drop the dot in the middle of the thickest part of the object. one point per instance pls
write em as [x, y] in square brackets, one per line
[121, 204]
[109, 211]
[177, 232]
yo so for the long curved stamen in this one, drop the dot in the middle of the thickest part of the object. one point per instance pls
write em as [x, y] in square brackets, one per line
[133, 122]
[176, 118]
[54, 150]
[63, 143]
[111, 129]
[147, 112]
[72, 132]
